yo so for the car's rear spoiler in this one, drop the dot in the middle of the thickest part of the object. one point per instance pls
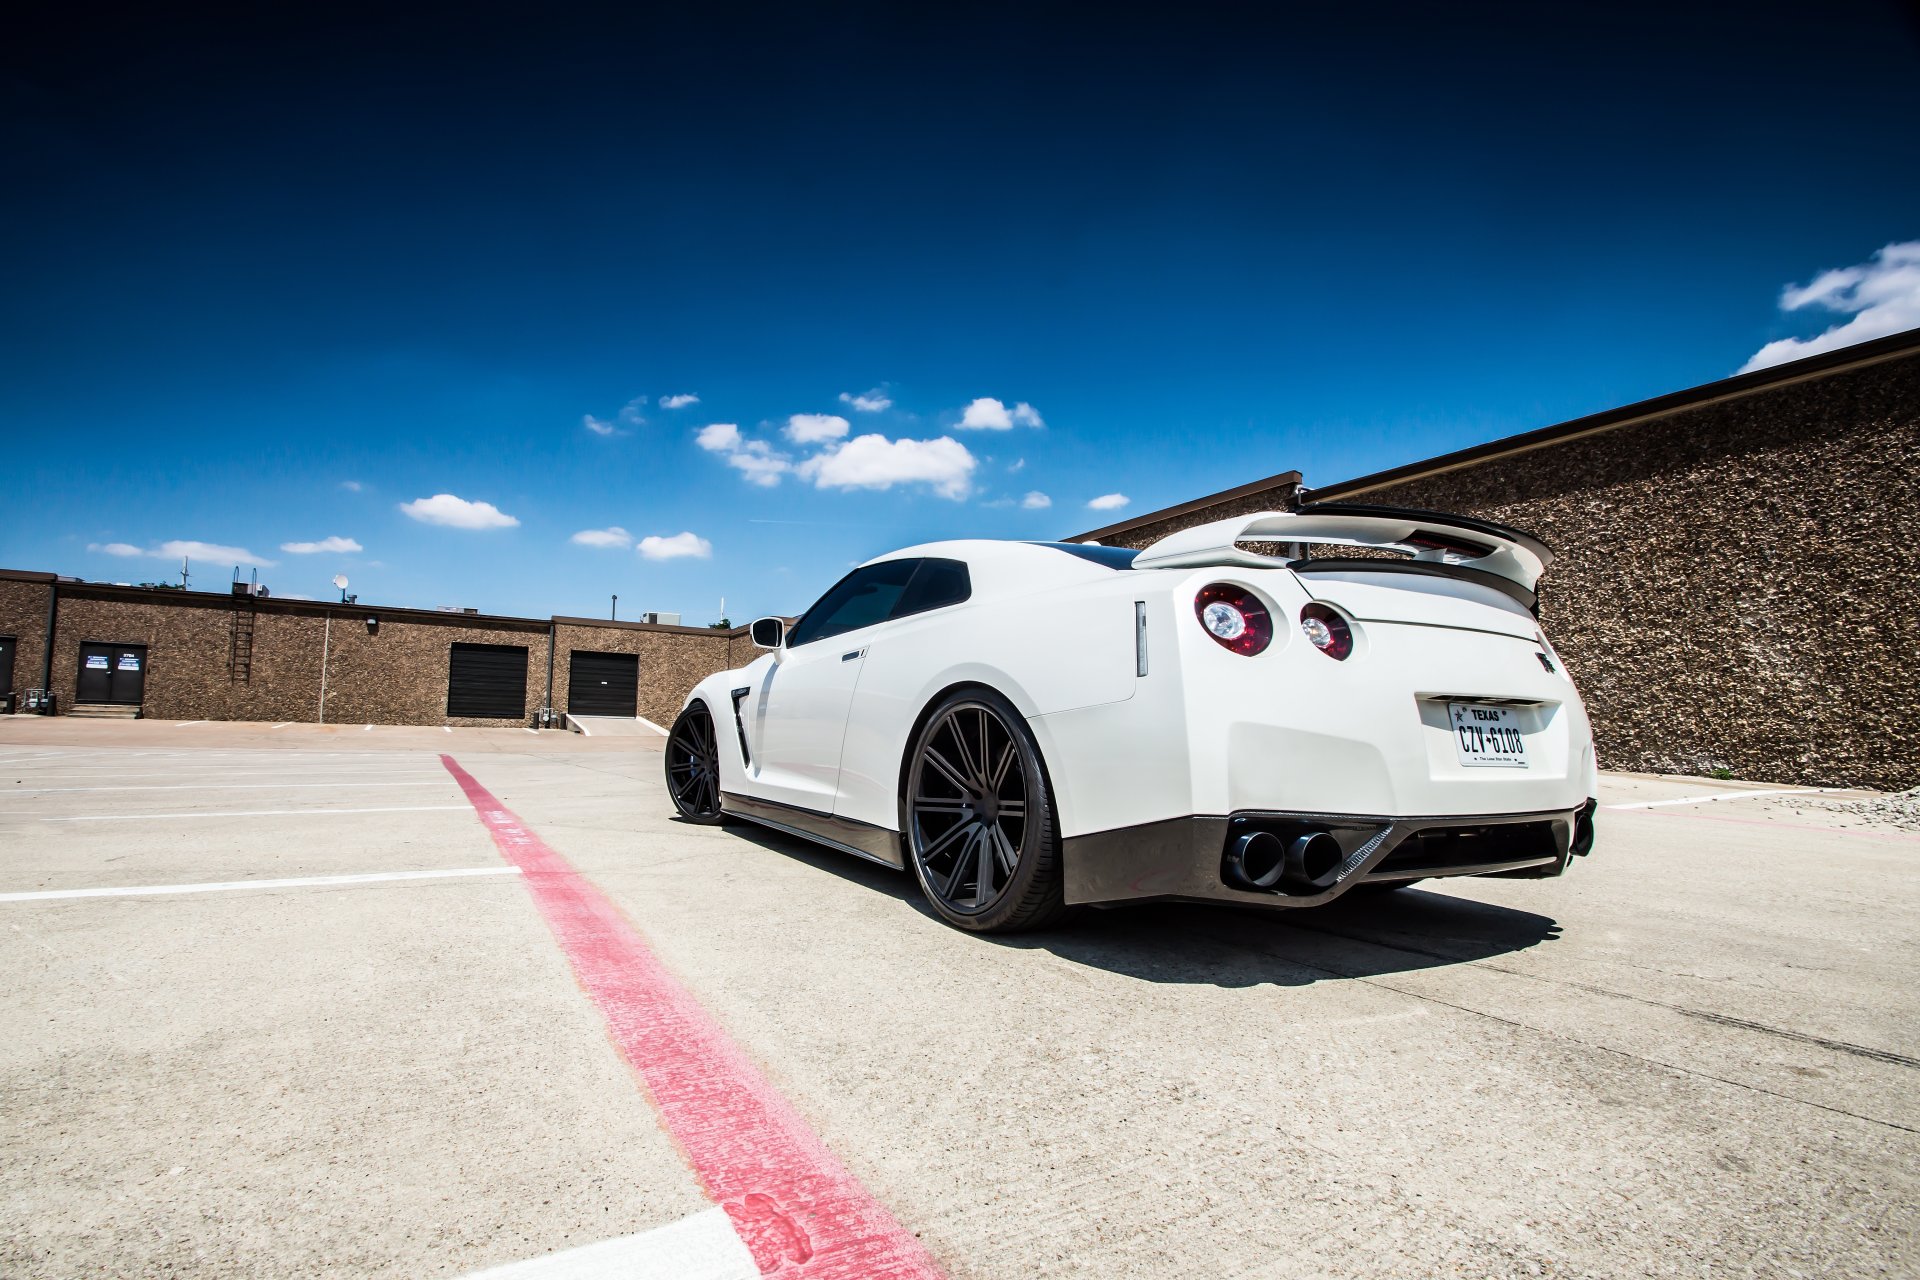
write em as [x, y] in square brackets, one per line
[1430, 537]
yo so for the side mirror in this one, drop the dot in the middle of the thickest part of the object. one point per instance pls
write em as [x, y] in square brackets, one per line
[768, 633]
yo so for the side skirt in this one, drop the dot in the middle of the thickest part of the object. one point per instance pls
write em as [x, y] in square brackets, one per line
[861, 839]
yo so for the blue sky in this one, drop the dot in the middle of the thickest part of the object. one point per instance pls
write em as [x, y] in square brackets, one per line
[273, 284]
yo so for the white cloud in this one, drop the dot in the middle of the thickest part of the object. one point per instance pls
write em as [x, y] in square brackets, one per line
[754, 459]
[629, 416]
[352, 486]
[988, 414]
[875, 462]
[1882, 295]
[868, 401]
[1109, 502]
[337, 545]
[178, 547]
[209, 551]
[679, 546]
[1018, 465]
[612, 536]
[718, 437]
[458, 513]
[757, 461]
[816, 428]
[1036, 501]
[678, 402]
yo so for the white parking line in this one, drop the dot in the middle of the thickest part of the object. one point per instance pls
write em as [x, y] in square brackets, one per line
[296, 882]
[218, 786]
[701, 1247]
[259, 813]
[104, 773]
[184, 724]
[283, 724]
[1725, 795]
[369, 727]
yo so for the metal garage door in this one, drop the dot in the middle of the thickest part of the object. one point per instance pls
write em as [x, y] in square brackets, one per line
[487, 680]
[603, 684]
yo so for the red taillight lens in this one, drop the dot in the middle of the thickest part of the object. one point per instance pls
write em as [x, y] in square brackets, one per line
[1234, 617]
[1326, 630]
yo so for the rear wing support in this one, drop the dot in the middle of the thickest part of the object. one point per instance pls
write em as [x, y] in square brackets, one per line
[1430, 537]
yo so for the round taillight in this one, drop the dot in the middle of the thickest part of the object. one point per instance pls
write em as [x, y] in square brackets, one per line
[1234, 617]
[1326, 630]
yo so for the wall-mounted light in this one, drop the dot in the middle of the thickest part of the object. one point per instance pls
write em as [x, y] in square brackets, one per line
[373, 626]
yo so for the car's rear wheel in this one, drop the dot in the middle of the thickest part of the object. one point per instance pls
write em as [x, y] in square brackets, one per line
[978, 817]
[693, 766]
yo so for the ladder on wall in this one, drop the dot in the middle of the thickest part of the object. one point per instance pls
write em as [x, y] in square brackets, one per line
[240, 644]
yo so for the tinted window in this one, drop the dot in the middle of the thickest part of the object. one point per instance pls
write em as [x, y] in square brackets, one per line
[860, 599]
[1111, 557]
[937, 584]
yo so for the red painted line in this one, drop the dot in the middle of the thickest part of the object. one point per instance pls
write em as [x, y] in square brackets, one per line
[792, 1202]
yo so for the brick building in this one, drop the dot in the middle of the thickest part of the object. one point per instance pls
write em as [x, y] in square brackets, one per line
[1738, 577]
[194, 655]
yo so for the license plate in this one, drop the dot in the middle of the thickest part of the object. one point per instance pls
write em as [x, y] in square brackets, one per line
[1487, 737]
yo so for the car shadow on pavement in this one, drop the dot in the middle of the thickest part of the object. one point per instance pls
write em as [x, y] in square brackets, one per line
[1363, 936]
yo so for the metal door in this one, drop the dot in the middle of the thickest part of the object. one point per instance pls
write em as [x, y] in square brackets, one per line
[487, 681]
[603, 684]
[115, 673]
[7, 645]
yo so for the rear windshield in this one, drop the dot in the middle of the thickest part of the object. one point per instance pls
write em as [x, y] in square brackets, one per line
[1111, 557]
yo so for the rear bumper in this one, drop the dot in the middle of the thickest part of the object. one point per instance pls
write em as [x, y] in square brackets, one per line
[1187, 859]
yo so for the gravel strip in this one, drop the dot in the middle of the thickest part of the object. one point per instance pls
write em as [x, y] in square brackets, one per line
[1901, 809]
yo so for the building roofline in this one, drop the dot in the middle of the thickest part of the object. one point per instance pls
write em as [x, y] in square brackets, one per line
[272, 603]
[1285, 480]
[669, 627]
[1891, 347]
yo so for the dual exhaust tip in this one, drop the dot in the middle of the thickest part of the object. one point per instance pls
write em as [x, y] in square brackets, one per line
[1304, 863]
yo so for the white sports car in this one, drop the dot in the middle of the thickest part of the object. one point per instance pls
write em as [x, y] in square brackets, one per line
[1219, 717]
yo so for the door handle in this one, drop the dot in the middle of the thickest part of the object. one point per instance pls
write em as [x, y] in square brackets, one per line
[849, 657]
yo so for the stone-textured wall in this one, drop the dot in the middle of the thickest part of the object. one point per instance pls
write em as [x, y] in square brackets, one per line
[396, 675]
[23, 615]
[1737, 585]
[671, 661]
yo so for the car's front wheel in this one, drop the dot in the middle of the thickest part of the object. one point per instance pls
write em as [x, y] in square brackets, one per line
[693, 766]
[978, 817]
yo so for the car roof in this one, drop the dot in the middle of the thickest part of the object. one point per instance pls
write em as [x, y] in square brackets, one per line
[1002, 564]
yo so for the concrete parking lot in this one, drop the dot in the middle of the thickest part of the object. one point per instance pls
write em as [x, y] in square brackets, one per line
[1694, 1055]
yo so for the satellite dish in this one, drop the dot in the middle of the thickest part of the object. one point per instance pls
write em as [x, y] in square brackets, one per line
[340, 581]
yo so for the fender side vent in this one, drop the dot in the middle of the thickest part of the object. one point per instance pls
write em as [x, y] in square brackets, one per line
[740, 725]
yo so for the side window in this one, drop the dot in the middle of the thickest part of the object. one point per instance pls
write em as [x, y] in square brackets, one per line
[860, 599]
[937, 584]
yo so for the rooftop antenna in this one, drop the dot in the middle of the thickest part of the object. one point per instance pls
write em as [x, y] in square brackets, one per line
[614, 616]
[183, 573]
[340, 581]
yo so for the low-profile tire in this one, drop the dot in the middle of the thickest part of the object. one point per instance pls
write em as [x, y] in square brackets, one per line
[693, 766]
[977, 817]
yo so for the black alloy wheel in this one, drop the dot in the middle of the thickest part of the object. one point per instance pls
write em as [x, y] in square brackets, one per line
[978, 816]
[693, 766]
